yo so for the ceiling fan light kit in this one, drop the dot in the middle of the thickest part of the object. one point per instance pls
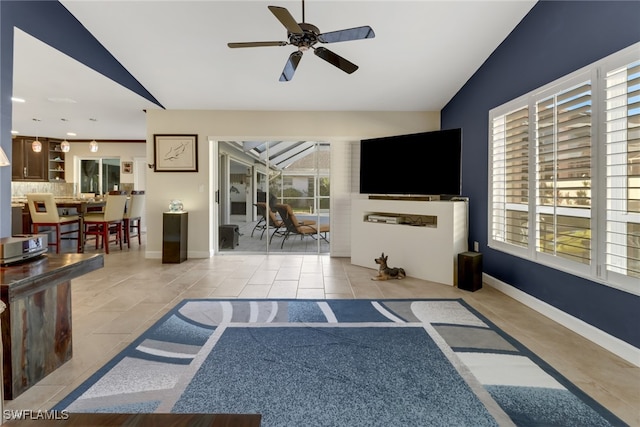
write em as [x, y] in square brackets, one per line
[305, 36]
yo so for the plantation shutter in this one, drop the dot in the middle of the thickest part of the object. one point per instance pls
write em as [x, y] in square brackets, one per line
[563, 174]
[510, 177]
[622, 100]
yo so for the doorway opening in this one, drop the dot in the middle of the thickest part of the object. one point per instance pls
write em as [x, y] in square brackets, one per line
[274, 196]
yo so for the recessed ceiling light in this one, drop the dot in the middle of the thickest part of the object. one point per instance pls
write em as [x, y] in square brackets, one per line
[62, 100]
[15, 132]
[71, 134]
[16, 99]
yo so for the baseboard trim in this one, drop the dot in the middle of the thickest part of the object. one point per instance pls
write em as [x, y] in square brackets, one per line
[615, 345]
[153, 254]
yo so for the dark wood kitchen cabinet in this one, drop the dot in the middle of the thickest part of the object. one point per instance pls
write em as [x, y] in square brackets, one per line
[26, 164]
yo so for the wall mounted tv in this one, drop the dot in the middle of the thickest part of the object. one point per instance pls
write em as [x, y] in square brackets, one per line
[427, 163]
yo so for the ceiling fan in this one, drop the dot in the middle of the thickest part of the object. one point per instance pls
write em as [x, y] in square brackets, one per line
[305, 36]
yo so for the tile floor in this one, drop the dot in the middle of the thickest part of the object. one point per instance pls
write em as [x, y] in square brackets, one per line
[113, 306]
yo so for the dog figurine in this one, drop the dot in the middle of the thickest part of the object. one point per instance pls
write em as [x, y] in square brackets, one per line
[385, 272]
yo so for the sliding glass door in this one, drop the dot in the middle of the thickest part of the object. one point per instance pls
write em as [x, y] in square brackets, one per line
[291, 173]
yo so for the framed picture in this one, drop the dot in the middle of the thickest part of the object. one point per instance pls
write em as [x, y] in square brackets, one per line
[175, 153]
[127, 167]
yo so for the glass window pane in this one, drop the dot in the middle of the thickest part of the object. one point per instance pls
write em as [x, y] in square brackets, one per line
[565, 236]
[90, 176]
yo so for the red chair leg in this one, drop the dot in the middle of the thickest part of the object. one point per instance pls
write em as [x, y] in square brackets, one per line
[105, 237]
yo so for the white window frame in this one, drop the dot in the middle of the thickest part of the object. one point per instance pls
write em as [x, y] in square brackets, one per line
[597, 269]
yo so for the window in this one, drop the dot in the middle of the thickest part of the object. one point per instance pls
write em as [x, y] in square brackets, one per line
[510, 134]
[99, 175]
[622, 131]
[563, 173]
[564, 166]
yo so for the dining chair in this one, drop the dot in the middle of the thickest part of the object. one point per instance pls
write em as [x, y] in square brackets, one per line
[44, 214]
[133, 216]
[100, 224]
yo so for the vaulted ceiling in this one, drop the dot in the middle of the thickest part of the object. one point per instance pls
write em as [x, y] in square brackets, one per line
[422, 54]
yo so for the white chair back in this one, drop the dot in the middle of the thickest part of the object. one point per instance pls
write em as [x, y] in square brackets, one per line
[135, 207]
[42, 207]
[114, 208]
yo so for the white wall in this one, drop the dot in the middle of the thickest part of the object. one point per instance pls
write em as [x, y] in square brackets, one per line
[196, 190]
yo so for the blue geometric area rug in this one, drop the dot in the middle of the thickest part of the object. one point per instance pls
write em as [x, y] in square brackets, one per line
[337, 363]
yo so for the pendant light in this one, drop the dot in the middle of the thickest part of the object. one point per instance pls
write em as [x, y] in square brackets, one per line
[4, 160]
[93, 145]
[36, 145]
[64, 145]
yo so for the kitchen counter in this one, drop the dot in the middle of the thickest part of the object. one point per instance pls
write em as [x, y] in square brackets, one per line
[36, 326]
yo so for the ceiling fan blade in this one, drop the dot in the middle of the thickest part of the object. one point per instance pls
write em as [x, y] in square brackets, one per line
[286, 19]
[256, 44]
[290, 66]
[334, 59]
[357, 33]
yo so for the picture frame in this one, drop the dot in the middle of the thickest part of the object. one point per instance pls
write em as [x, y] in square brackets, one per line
[175, 153]
[127, 167]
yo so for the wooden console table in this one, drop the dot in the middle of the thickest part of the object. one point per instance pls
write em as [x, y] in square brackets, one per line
[36, 325]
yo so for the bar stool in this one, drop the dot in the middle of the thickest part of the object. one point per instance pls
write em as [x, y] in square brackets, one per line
[100, 224]
[44, 213]
[133, 216]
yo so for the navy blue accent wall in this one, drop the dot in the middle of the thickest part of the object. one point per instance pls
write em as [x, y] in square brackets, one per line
[553, 40]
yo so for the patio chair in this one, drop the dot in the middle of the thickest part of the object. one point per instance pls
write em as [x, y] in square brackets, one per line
[274, 222]
[262, 222]
[301, 228]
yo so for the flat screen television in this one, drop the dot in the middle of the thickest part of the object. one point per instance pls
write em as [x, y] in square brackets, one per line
[427, 163]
